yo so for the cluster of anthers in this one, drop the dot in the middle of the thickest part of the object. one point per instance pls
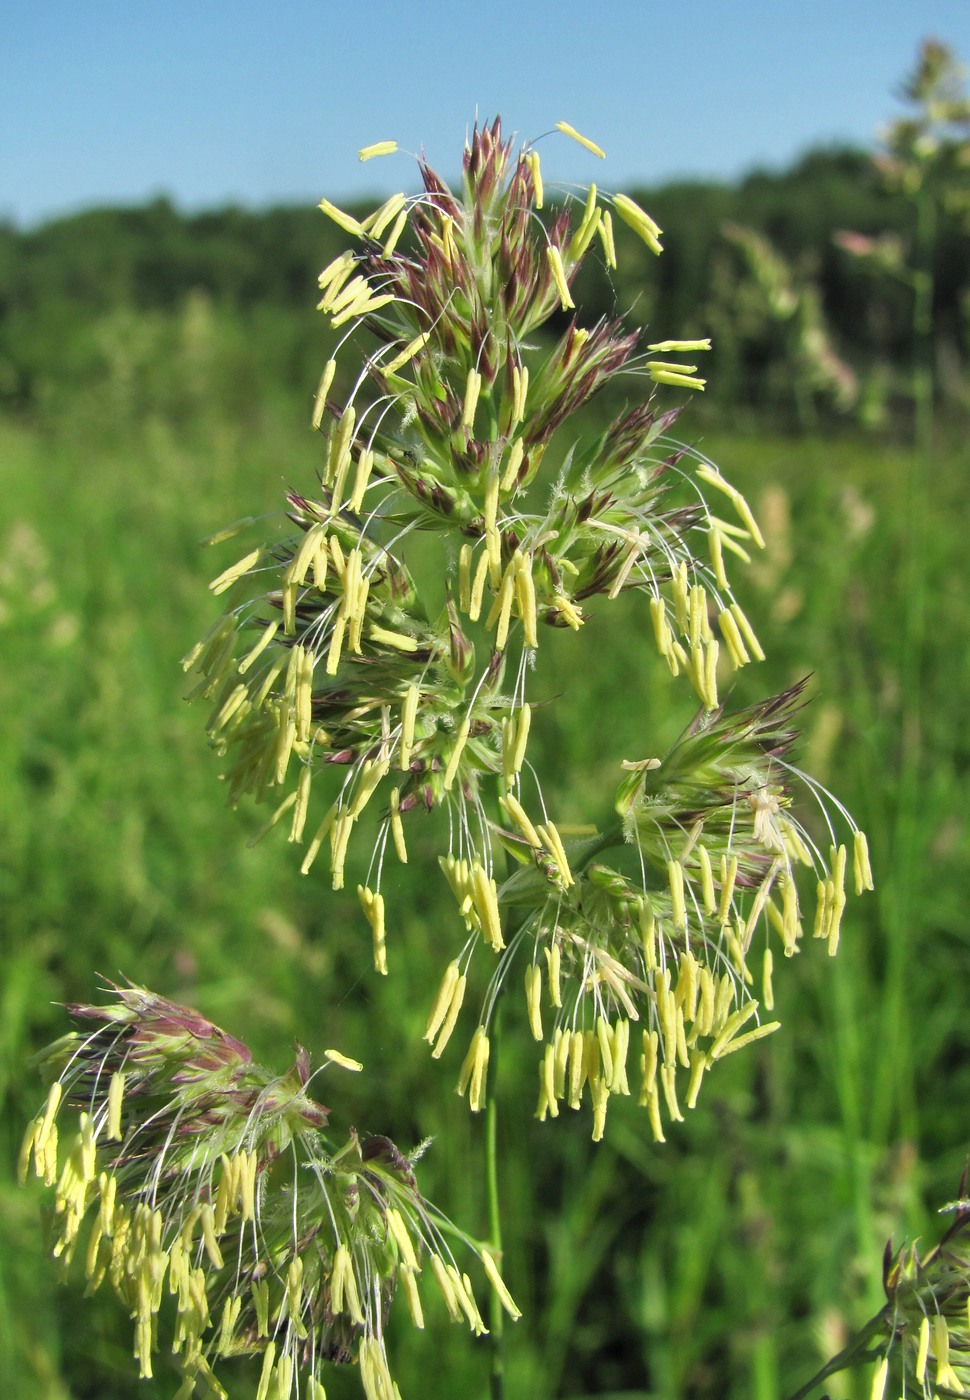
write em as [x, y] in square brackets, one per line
[190, 1173]
[334, 673]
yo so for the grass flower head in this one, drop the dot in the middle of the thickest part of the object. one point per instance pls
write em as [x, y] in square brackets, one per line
[339, 683]
[199, 1184]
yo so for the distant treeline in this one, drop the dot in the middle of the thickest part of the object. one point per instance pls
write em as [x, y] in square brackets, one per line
[71, 288]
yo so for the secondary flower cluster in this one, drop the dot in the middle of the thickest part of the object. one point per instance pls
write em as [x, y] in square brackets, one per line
[928, 1346]
[187, 1172]
[348, 662]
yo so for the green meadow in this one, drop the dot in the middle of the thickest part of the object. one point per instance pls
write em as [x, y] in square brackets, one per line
[730, 1261]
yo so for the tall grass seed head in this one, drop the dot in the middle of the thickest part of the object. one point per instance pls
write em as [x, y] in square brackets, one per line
[196, 1182]
[927, 1332]
[336, 687]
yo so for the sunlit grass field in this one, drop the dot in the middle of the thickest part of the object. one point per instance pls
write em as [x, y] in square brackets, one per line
[729, 1262]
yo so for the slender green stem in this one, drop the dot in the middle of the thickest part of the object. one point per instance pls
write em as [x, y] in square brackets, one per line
[893, 1074]
[923, 322]
[496, 1315]
[612, 837]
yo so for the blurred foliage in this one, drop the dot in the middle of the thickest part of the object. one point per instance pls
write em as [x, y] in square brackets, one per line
[71, 290]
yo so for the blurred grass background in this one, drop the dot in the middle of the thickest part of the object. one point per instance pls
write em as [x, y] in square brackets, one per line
[731, 1261]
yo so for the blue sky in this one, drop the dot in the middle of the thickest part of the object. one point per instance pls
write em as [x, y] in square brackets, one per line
[212, 101]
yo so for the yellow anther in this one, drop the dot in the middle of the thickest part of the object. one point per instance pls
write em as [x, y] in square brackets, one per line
[700, 629]
[717, 556]
[267, 635]
[498, 1283]
[668, 1083]
[577, 1068]
[461, 738]
[485, 896]
[343, 1283]
[478, 586]
[397, 827]
[447, 1024]
[923, 1347]
[444, 1281]
[768, 994]
[228, 577]
[604, 1039]
[790, 925]
[677, 347]
[704, 1020]
[372, 774]
[732, 636]
[712, 477]
[525, 595]
[377, 222]
[473, 387]
[343, 294]
[860, 862]
[409, 710]
[586, 232]
[501, 610]
[552, 841]
[337, 270]
[464, 577]
[339, 841]
[409, 351]
[747, 632]
[554, 260]
[881, 1375]
[533, 992]
[678, 585]
[511, 472]
[523, 724]
[448, 245]
[260, 1292]
[621, 1047]
[466, 1298]
[553, 957]
[207, 1216]
[342, 220]
[730, 1028]
[548, 1105]
[729, 874]
[323, 389]
[320, 835]
[519, 815]
[397, 1227]
[362, 476]
[686, 991]
[532, 160]
[378, 148]
[675, 877]
[710, 653]
[302, 803]
[575, 135]
[639, 220]
[390, 243]
[373, 907]
[413, 1297]
[472, 1077]
[364, 305]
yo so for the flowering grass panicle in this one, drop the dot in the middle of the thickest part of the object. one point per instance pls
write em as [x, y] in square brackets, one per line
[918, 1344]
[203, 1186]
[928, 1312]
[350, 677]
